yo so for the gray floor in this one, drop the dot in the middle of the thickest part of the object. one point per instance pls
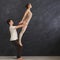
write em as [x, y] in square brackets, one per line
[31, 57]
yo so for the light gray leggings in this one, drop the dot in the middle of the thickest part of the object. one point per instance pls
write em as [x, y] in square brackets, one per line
[21, 33]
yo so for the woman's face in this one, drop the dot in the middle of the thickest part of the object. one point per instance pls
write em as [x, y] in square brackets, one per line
[11, 22]
[29, 6]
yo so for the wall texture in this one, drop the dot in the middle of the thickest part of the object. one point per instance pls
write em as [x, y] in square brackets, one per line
[43, 33]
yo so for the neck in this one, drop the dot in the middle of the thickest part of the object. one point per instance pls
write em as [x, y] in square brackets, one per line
[11, 24]
[29, 8]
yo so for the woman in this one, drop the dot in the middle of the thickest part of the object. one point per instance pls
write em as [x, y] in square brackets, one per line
[25, 21]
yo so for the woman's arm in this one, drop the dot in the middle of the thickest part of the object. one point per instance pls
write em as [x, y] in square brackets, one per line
[19, 26]
[23, 17]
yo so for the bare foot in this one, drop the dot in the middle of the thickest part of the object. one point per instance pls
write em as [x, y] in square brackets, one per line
[21, 44]
[20, 59]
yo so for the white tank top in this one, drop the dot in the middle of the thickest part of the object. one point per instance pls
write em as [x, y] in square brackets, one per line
[13, 32]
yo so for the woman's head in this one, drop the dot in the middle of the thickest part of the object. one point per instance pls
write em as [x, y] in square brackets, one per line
[10, 22]
[29, 5]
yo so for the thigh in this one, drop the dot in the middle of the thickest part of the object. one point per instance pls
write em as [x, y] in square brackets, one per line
[24, 28]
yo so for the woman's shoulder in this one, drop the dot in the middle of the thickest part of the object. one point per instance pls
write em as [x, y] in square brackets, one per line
[12, 26]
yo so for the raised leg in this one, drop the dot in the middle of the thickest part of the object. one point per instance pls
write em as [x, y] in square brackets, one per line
[21, 34]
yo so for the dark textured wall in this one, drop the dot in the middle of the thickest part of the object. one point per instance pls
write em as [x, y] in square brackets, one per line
[43, 33]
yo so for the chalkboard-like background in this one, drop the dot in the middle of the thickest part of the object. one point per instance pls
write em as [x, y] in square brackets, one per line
[42, 36]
